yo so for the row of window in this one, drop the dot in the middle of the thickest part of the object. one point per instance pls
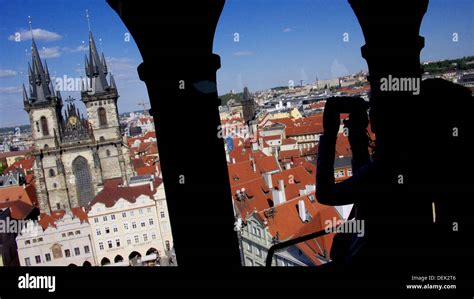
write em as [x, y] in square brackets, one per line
[307, 137]
[67, 253]
[251, 249]
[341, 173]
[125, 226]
[64, 235]
[251, 262]
[130, 213]
[71, 233]
[136, 239]
[36, 240]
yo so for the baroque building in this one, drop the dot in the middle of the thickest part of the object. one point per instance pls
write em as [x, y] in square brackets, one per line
[74, 154]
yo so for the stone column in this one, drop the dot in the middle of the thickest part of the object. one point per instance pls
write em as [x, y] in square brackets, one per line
[179, 70]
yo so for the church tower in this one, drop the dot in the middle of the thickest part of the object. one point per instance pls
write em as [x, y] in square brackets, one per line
[248, 106]
[44, 105]
[74, 155]
[100, 97]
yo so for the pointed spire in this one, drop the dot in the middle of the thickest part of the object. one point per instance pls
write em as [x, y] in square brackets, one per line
[96, 69]
[39, 78]
[25, 95]
[48, 79]
[112, 82]
[104, 64]
[32, 96]
[30, 74]
[51, 87]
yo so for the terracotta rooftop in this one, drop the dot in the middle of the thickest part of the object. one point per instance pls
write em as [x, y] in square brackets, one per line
[113, 191]
[21, 200]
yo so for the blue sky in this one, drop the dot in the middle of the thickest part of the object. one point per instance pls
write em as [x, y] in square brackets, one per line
[279, 40]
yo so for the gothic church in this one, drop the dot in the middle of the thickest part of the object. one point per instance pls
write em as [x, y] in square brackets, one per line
[74, 154]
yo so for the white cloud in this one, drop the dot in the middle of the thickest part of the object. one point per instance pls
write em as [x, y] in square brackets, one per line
[7, 73]
[288, 29]
[10, 90]
[50, 52]
[38, 33]
[243, 53]
[81, 48]
[122, 68]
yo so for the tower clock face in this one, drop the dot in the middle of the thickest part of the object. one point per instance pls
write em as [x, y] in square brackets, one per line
[73, 120]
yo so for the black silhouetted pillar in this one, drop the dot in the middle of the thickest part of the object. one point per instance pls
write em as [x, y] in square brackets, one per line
[179, 70]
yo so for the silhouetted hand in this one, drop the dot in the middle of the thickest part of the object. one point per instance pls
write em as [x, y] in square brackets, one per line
[357, 109]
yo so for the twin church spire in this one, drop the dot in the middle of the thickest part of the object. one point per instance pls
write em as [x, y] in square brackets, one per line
[41, 89]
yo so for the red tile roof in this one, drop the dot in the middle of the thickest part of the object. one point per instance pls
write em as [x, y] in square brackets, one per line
[19, 209]
[285, 223]
[24, 164]
[14, 153]
[21, 200]
[288, 141]
[242, 172]
[47, 220]
[294, 179]
[112, 192]
[304, 130]
[288, 155]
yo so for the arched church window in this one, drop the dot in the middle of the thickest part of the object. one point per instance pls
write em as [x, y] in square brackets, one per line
[44, 126]
[82, 174]
[51, 173]
[46, 147]
[107, 152]
[101, 139]
[102, 116]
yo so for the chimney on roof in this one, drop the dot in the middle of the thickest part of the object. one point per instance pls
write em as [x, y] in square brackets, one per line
[152, 187]
[279, 195]
[281, 187]
[310, 188]
[254, 167]
[233, 160]
[267, 177]
[302, 210]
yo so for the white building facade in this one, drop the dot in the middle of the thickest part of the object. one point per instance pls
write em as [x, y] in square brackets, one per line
[131, 230]
[67, 242]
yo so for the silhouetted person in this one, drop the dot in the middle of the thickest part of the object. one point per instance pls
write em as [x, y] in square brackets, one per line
[419, 159]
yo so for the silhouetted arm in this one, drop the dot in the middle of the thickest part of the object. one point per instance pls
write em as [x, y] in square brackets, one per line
[350, 190]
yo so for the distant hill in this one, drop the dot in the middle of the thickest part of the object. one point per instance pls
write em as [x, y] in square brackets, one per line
[459, 64]
[23, 128]
[236, 96]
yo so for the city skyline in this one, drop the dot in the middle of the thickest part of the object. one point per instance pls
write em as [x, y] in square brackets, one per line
[275, 44]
